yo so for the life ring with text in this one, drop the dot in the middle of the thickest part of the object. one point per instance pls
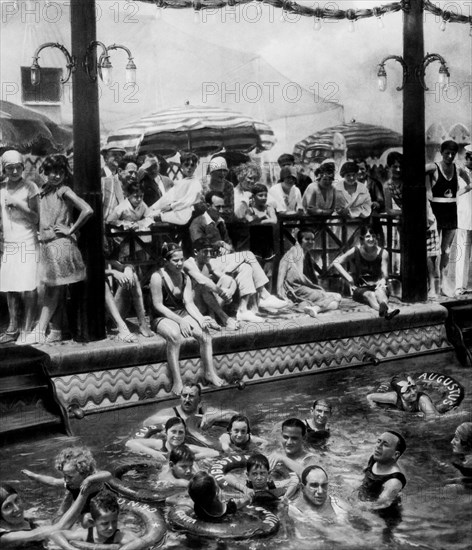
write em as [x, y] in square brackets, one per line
[134, 492]
[224, 465]
[149, 431]
[450, 391]
[150, 518]
[250, 522]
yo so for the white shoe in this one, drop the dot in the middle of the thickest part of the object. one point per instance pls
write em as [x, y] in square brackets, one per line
[272, 302]
[249, 316]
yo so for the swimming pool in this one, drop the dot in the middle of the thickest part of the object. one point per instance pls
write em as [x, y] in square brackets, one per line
[434, 516]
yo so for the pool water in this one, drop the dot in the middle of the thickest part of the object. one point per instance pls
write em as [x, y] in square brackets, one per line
[436, 512]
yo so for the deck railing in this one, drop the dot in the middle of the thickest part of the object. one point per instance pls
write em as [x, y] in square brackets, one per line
[333, 237]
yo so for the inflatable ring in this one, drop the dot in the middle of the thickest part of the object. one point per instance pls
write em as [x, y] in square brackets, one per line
[224, 465]
[154, 526]
[451, 393]
[145, 494]
[252, 521]
[148, 431]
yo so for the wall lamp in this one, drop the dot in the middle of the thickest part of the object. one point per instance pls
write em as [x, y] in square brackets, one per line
[103, 67]
[382, 73]
[36, 69]
[444, 74]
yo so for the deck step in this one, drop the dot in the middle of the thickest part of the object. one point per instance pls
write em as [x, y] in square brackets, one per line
[25, 419]
[21, 383]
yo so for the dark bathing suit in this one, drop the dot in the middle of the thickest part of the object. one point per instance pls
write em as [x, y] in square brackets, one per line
[373, 484]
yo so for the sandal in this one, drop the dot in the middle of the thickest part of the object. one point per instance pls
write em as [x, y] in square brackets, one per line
[126, 337]
[391, 314]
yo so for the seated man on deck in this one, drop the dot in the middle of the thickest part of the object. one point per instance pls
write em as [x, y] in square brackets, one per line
[191, 411]
[210, 296]
[295, 457]
[242, 266]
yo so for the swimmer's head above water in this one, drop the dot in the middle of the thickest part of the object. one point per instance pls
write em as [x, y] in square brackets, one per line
[293, 436]
[75, 463]
[181, 461]
[389, 447]
[11, 506]
[405, 387]
[315, 485]
[321, 412]
[190, 397]
[462, 441]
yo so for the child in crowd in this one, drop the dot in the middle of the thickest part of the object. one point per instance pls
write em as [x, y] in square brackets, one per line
[131, 213]
[404, 396]
[79, 471]
[369, 278]
[61, 261]
[104, 510]
[239, 437]
[160, 447]
[259, 211]
[260, 485]
[209, 504]
[179, 470]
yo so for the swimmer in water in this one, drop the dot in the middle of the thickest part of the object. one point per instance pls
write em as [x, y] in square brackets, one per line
[79, 471]
[179, 470]
[383, 478]
[16, 530]
[404, 396]
[314, 501]
[209, 503]
[260, 485]
[317, 425]
[104, 510]
[175, 433]
[190, 409]
[295, 457]
[462, 449]
[239, 437]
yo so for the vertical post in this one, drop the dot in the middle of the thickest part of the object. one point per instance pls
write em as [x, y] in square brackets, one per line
[413, 229]
[91, 317]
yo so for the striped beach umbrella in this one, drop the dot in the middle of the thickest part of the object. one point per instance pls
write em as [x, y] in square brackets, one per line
[362, 140]
[201, 129]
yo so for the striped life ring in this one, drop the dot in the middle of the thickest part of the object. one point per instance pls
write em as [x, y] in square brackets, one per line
[139, 494]
[450, 392]
[152, 520]
[250, 522]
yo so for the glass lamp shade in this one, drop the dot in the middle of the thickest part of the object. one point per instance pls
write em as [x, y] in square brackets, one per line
[317, 24]
[107, 73]
[443, 77]
[131, 73]
[35, 74]
[382, 82]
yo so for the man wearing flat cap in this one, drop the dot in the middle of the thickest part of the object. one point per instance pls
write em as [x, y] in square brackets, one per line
[112, 191]
[303, 181]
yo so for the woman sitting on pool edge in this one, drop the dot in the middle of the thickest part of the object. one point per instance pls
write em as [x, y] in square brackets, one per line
[16, 530]
[404, 396]
[369, 278]
[175, 316]
[159, 448]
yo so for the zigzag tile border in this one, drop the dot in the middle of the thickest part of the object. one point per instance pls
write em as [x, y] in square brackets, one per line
[113, 388]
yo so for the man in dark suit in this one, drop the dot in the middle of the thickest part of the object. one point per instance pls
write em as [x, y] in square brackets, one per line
[154, 184]
[112, 192]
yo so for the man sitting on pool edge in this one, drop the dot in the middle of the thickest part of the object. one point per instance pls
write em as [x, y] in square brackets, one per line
[295, 457]
[191, 411]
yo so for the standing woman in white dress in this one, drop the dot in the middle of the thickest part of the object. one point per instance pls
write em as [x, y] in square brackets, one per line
[19, 206]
